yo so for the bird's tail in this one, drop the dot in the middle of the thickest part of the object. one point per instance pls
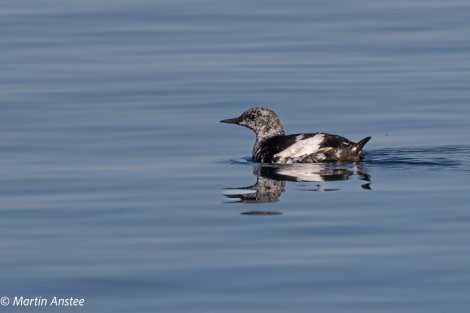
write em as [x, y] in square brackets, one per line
[357, 148]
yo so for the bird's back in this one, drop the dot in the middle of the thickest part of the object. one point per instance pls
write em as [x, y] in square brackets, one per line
[308, 148]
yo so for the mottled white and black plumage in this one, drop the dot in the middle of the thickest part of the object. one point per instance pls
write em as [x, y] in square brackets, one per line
[274, 146]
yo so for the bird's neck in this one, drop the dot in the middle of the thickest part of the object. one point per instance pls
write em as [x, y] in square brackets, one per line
[266, 134]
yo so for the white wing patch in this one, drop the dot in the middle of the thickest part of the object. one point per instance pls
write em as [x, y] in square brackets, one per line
[301, 147]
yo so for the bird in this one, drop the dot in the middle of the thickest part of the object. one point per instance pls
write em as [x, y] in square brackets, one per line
[274, 146]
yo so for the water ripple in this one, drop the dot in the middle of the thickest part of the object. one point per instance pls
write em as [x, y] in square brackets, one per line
[444, 157]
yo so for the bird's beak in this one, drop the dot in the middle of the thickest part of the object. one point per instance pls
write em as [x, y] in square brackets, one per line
[236, 120]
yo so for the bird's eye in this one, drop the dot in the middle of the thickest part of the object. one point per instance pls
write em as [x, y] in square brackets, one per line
[253, 116]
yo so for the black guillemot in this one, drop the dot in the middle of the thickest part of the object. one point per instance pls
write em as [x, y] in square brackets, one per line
[274, 146]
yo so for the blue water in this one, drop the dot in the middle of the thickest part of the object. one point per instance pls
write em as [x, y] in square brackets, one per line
[119, 186]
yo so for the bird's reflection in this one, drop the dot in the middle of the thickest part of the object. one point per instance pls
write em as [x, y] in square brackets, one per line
[271, 180]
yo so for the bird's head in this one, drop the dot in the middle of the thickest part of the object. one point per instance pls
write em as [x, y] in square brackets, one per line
[262, 121]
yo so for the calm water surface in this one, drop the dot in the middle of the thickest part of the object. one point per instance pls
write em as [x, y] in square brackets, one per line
[118, 184]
